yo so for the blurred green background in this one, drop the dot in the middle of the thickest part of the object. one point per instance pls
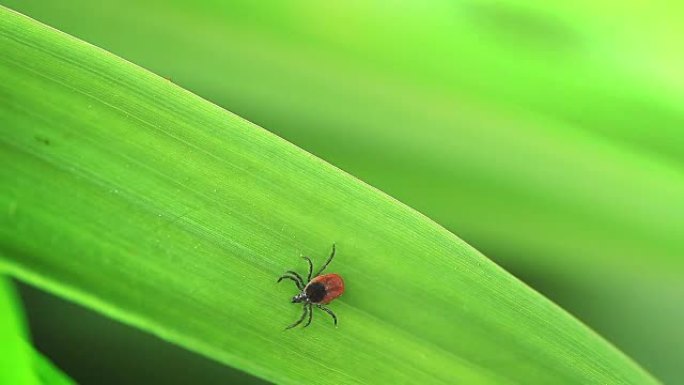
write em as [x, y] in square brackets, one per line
[549, 136]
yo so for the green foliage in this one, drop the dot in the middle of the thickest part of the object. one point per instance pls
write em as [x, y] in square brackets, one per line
[546, 134]
[129, 195]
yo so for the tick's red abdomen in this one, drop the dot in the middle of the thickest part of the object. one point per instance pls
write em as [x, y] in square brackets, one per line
[333, 284]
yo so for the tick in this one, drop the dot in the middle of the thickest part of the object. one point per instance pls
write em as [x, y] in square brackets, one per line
[319, 291]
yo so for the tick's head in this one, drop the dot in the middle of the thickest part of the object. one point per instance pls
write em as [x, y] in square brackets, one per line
[301, 297]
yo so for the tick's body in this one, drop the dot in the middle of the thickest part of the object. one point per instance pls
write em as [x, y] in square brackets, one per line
[319, 291]
[322, 289]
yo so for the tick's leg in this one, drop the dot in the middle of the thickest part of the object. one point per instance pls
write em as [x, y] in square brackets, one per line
[299, 320]
[297, 281]
[332, 254]
[310, 315]
[310, 268]
[325, 309]
[299, 277]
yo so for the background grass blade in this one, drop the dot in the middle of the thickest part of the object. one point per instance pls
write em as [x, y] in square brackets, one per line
[134, 197]
[20, 364]
[579, 188]
[16, 363]
[47, 372]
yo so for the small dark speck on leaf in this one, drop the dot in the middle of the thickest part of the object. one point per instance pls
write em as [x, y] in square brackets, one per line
[42, 139]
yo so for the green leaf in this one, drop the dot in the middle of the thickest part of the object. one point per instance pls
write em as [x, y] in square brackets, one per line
[138, 199]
